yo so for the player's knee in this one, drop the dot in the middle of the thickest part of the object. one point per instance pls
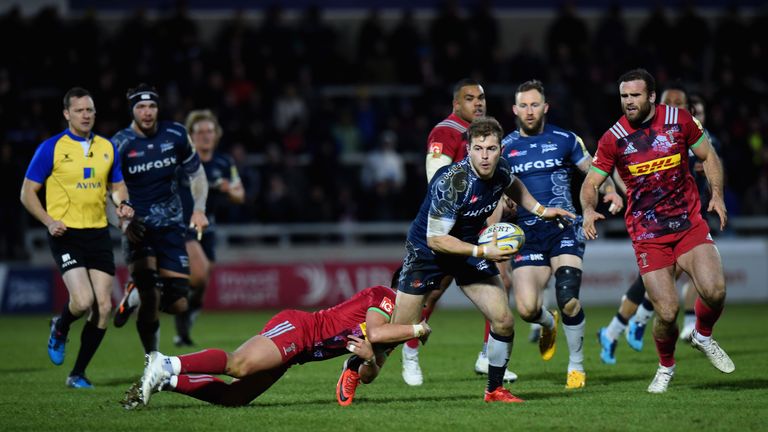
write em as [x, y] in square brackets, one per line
[80, 304]
[667, 313]
[504, 324]
[174, 297]
[567, 285]
[238, 365]
[528, 311]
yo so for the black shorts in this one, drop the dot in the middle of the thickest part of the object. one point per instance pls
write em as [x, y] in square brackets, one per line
[423, 270]
[90, 248]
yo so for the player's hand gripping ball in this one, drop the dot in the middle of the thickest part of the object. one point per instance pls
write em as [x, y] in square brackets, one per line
[508, 236]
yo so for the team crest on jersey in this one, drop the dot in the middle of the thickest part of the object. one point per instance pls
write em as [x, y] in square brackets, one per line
[164, 147]
[644, 259]
[662, 144]
[548, 147]
[386, 305]
[436, 149]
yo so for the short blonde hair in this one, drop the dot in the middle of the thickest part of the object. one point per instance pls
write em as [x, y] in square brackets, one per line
[197, 116]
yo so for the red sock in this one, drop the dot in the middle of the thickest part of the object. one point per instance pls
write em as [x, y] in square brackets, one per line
[487, 331]
[212, 361]
[705, 317]
[666, 348]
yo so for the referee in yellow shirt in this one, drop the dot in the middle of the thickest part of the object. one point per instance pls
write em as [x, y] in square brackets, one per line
[76, 167]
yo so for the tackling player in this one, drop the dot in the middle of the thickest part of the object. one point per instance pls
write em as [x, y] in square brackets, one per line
[360, 325]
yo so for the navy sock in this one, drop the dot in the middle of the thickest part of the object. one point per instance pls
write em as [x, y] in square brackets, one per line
[148, 333]
[647, 304]
[621, 318]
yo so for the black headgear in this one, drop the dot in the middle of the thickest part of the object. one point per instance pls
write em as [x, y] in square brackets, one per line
[142, 93]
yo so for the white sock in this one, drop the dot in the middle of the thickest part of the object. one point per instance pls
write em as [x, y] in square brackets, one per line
[704, 340]
[410, 352]
[175, 365]
[546, 319]
[615, 328]
[642, 315]
[173, 381]
[484, 351]
[574, 334]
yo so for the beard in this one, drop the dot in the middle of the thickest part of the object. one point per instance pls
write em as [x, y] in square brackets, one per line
[535, 129]
[642, 114]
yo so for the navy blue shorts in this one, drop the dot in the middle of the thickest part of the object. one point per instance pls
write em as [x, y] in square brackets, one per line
[208, 242]
[423, 270]
[166, 244]
[544, 240]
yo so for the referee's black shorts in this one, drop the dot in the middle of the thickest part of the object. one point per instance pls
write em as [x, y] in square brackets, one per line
[90, 248]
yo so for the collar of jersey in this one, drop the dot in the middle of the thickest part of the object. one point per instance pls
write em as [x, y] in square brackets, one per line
[77, 138]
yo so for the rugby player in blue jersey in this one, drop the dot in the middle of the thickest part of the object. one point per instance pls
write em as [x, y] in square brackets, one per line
[225, 187]
[442, 241]
[150, 153]
[544, 157]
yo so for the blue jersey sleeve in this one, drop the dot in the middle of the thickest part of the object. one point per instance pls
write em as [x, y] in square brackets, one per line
[579, 151]
[42, 162]
[115, 173]
[447, 193]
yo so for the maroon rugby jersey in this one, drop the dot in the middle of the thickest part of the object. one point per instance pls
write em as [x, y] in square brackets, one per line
[332, 326]
[653, 162]
[448, 137]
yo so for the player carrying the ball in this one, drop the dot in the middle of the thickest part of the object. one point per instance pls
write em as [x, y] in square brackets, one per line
[442, 241]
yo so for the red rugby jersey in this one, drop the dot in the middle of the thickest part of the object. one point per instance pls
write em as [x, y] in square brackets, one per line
[653, 162]
[448, 137]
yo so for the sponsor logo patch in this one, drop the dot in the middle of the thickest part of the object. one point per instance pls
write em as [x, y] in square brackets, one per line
[655, 165]
[436, 149]
[386, 305]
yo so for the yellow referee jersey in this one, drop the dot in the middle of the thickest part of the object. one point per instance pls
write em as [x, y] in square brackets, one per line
[75, 172]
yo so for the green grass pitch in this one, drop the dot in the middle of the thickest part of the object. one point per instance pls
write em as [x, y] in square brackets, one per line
[33, 396]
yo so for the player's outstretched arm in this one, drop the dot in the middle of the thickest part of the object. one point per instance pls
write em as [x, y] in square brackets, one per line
[608, 188]
[588, 198]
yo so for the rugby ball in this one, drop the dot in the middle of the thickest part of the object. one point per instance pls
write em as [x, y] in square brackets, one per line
[508, 236]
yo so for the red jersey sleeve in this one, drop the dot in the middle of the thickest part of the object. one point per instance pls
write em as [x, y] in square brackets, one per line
[445, 141]
[605, 157]
[691, 129]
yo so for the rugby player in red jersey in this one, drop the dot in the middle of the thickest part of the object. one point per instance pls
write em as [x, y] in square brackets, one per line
[360, 325]
[649, 148]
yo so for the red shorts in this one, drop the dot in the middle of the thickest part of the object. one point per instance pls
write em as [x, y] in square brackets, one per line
[290, 330]
[664, 251]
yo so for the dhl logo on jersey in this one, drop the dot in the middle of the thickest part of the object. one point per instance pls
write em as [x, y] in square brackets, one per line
[659, 164]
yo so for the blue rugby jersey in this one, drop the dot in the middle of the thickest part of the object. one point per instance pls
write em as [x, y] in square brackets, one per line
[457, 196]
[545, 163]
[218, 168]
[149, 167]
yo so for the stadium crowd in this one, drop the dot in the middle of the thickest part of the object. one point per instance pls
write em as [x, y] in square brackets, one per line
[307, 121]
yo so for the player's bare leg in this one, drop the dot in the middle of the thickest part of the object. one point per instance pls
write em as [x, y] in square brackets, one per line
[408, 310]
[567, 269]
[481, 364]
[689, 309]
[491, 299]
[660, 287]
[199, 270]
[528, 283]
[703, 265]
